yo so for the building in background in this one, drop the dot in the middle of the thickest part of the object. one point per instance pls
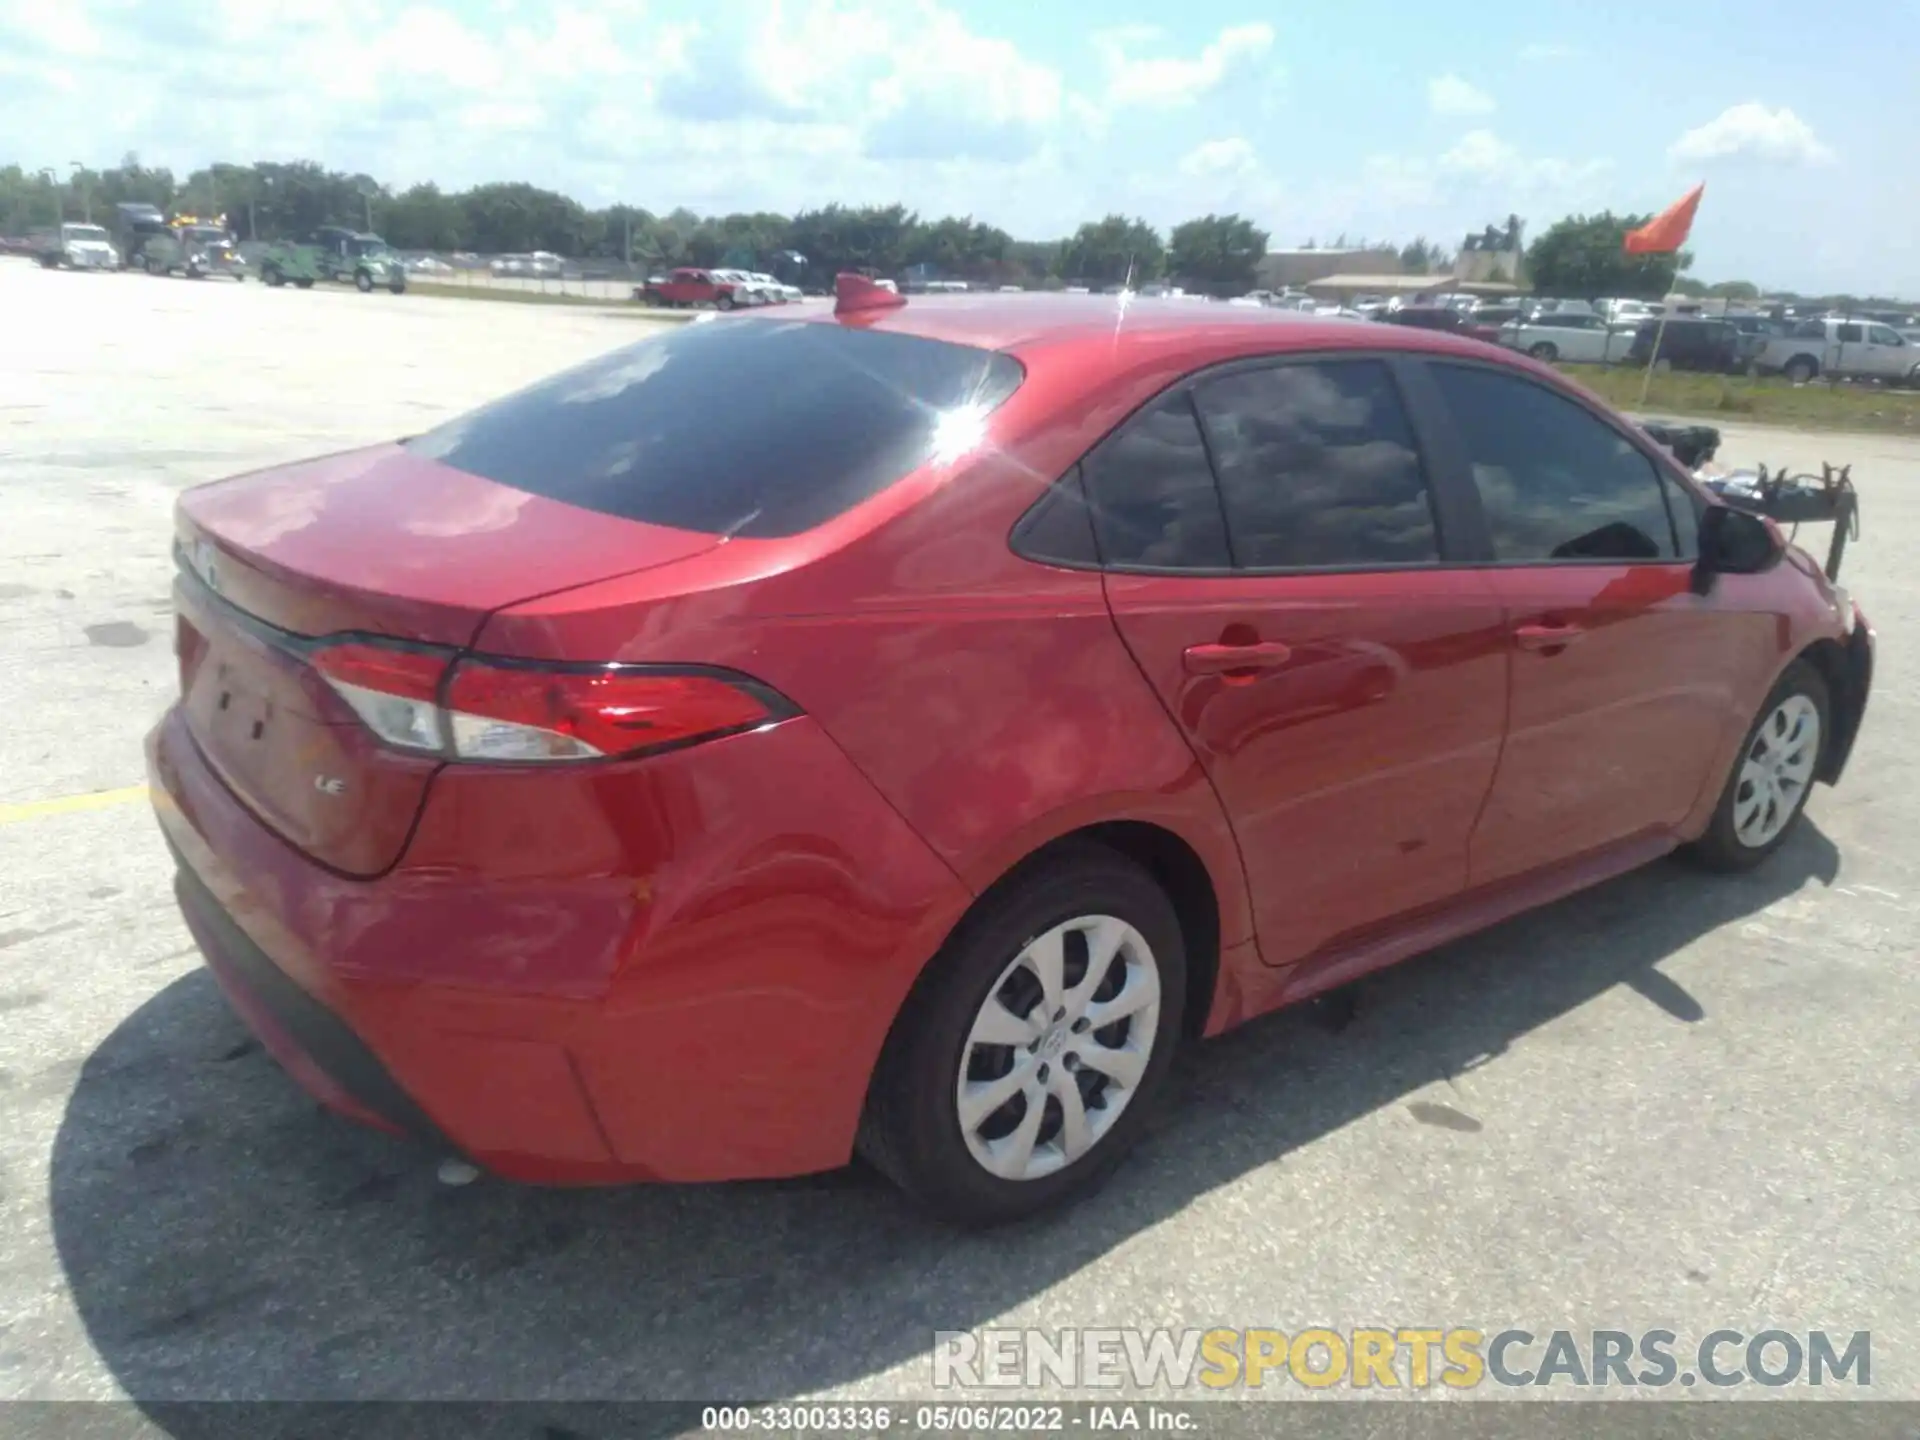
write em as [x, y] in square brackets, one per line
[1298, 269]
[1494, 255]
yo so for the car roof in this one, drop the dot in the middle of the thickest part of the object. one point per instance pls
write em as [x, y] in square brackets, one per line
[1028, 322]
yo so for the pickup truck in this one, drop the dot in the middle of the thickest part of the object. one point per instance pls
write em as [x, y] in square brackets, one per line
[1852, 349]
[690, 286]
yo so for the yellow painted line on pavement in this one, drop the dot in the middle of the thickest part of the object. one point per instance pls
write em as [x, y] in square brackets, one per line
[68, 804]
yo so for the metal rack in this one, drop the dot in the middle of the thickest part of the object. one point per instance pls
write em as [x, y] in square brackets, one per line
[1794, 500]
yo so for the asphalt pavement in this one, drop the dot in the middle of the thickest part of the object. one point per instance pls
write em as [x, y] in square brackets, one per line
[1675, 1101]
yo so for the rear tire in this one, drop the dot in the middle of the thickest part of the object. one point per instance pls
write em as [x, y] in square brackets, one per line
[725, 302]
[1800, 369]
[303, 284]
[986, 982]
[1773, 774]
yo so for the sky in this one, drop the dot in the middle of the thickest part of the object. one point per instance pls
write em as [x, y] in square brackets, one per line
[1383, 119]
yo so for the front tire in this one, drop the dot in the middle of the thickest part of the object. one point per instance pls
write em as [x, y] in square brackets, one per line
[363, 282]
[1545, 352]
[1772, 775]
[725, 302]
[1025, 1063]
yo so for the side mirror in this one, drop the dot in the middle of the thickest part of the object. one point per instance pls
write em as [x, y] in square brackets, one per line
[1734, 542]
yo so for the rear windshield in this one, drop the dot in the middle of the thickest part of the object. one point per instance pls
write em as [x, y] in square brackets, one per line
[742, 427]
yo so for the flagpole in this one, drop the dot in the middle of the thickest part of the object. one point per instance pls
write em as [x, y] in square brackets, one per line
[1653, 359]
[1664, 234]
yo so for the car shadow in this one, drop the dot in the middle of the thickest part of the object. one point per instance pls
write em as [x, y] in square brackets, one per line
[223, 1238]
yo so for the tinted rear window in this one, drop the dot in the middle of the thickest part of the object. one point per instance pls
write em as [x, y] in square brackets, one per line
[744, 427]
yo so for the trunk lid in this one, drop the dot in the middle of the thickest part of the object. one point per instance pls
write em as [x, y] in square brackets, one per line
[377, 542]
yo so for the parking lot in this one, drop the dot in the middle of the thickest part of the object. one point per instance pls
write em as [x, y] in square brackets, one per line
[1676, 1101]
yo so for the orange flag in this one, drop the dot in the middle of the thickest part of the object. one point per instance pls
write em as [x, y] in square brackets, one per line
[1668, 230]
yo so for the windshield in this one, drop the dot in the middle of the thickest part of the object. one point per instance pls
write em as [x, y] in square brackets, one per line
[367, 245]
[818, 418]
[206, 235]
[85, 232]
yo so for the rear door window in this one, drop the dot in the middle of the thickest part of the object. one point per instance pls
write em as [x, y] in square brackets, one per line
[1318, 467]
[740, 427]
[1155, 505]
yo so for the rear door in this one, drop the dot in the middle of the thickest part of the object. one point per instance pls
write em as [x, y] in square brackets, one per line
[1582, 338]
[1340, 681]
[1622, 680]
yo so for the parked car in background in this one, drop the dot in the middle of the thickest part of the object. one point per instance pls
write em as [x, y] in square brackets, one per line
[1556, 306]
[540, 265]
[620, 781]
[782, 292]
[689, 285]
[1762, 325]
[1692, 342]
[1585, 339]
[748, 289]
[1441, 317]
[1495, 315]
[1629, 313]
[1849, 349]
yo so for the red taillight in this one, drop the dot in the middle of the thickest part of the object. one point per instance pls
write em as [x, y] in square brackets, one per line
[411, 674]
[392, 690]
[502, 712]
[507, 711]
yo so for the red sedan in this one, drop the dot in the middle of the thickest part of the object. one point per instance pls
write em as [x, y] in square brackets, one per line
[1009, 689]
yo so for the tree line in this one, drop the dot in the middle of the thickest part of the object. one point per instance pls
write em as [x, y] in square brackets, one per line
[1580, 256]
[269, 201]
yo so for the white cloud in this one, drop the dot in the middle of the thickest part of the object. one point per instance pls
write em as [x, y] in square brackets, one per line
[1482, 156]
[1450, 95]
[1153, 79]
[1232, 156]
[1752, 131]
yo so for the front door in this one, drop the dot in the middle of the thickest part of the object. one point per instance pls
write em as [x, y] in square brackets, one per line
[1888, 356]
[1344, 692]
[1622, 680]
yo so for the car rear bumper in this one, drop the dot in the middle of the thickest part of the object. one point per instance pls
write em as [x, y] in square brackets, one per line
[681, 969]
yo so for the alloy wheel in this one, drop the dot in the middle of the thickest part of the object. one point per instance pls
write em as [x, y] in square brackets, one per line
[1776, 771]
[1059, 1047]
